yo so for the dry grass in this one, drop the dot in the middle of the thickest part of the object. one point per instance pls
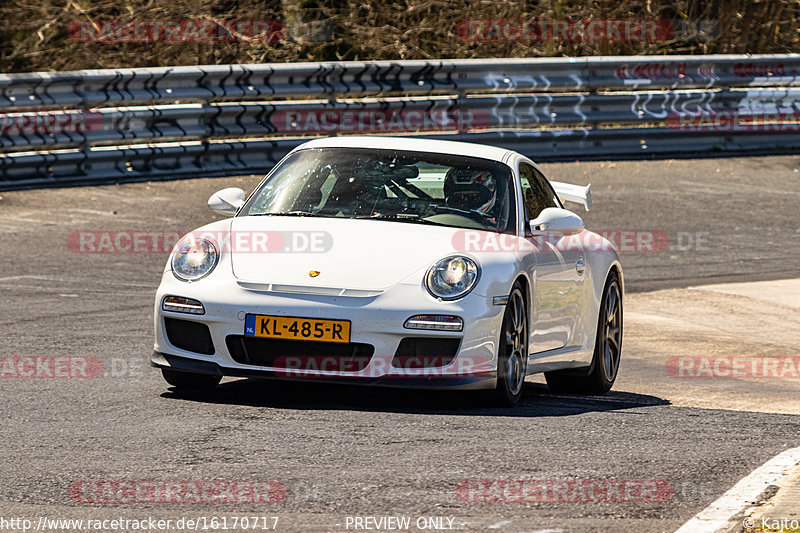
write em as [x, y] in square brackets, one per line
[33, 33]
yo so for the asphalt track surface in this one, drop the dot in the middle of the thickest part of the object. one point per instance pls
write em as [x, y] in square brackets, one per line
[344, 451]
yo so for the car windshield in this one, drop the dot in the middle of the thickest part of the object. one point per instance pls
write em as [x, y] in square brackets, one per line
[411, 187]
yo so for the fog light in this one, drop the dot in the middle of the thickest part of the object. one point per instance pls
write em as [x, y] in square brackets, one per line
[435, 322]
[178, 304]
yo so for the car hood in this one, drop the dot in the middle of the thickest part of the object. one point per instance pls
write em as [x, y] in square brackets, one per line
[346, 253]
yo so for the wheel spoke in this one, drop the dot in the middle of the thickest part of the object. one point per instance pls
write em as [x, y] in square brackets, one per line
[612, 338]
[611, 311]
[517, 313]
[514, 372]
[610, 364]
[521, 324]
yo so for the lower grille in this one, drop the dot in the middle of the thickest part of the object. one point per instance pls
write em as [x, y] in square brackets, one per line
[425, 352]
[306, 355]
[189, 336]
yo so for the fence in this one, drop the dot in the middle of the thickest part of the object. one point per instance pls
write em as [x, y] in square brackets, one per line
[109, 125]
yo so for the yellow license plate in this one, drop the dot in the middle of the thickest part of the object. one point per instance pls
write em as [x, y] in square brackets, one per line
[294, 328]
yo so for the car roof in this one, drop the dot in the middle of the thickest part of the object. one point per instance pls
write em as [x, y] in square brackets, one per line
[413, 144]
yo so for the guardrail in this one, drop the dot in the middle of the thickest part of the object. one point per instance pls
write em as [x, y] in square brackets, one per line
[107, 125]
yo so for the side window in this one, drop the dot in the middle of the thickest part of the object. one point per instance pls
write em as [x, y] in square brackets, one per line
[552, 197]
[536, 192]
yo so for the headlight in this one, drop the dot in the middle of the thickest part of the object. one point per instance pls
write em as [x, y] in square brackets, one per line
[452, 277]
[194, 258]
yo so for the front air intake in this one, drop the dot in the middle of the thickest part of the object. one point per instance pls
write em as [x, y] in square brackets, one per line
[425, 352]
[189, 336]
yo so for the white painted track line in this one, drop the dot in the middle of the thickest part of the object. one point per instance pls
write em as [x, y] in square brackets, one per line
[730, 508]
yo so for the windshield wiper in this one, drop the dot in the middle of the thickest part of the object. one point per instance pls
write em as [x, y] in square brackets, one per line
[287, 214]
[414, 219]
[466, 212]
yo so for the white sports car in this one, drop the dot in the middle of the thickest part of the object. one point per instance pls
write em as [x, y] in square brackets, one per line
[395, 261]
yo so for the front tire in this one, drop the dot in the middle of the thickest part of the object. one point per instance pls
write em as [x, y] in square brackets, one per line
[512, 353]
[189, 380]
[607, 349]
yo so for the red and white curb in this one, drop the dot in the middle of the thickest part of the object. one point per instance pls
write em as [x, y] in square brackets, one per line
[729, 511]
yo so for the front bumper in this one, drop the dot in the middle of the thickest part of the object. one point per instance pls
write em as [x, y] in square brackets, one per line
[486, 380]
[375, 320]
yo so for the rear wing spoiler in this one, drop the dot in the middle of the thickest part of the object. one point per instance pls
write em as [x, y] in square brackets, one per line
[568, 192]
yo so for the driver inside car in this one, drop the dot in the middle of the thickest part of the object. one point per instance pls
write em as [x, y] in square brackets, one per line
[470, 190]
[352, 195]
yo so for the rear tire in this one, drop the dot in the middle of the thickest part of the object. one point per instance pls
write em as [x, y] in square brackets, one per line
[189, 380]
[512, 352]
[607, 349]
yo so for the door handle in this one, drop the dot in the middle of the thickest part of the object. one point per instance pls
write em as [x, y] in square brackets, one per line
[580, 266]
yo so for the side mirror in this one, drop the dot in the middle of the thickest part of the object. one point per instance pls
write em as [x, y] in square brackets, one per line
[557, 220]
[227, 201]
